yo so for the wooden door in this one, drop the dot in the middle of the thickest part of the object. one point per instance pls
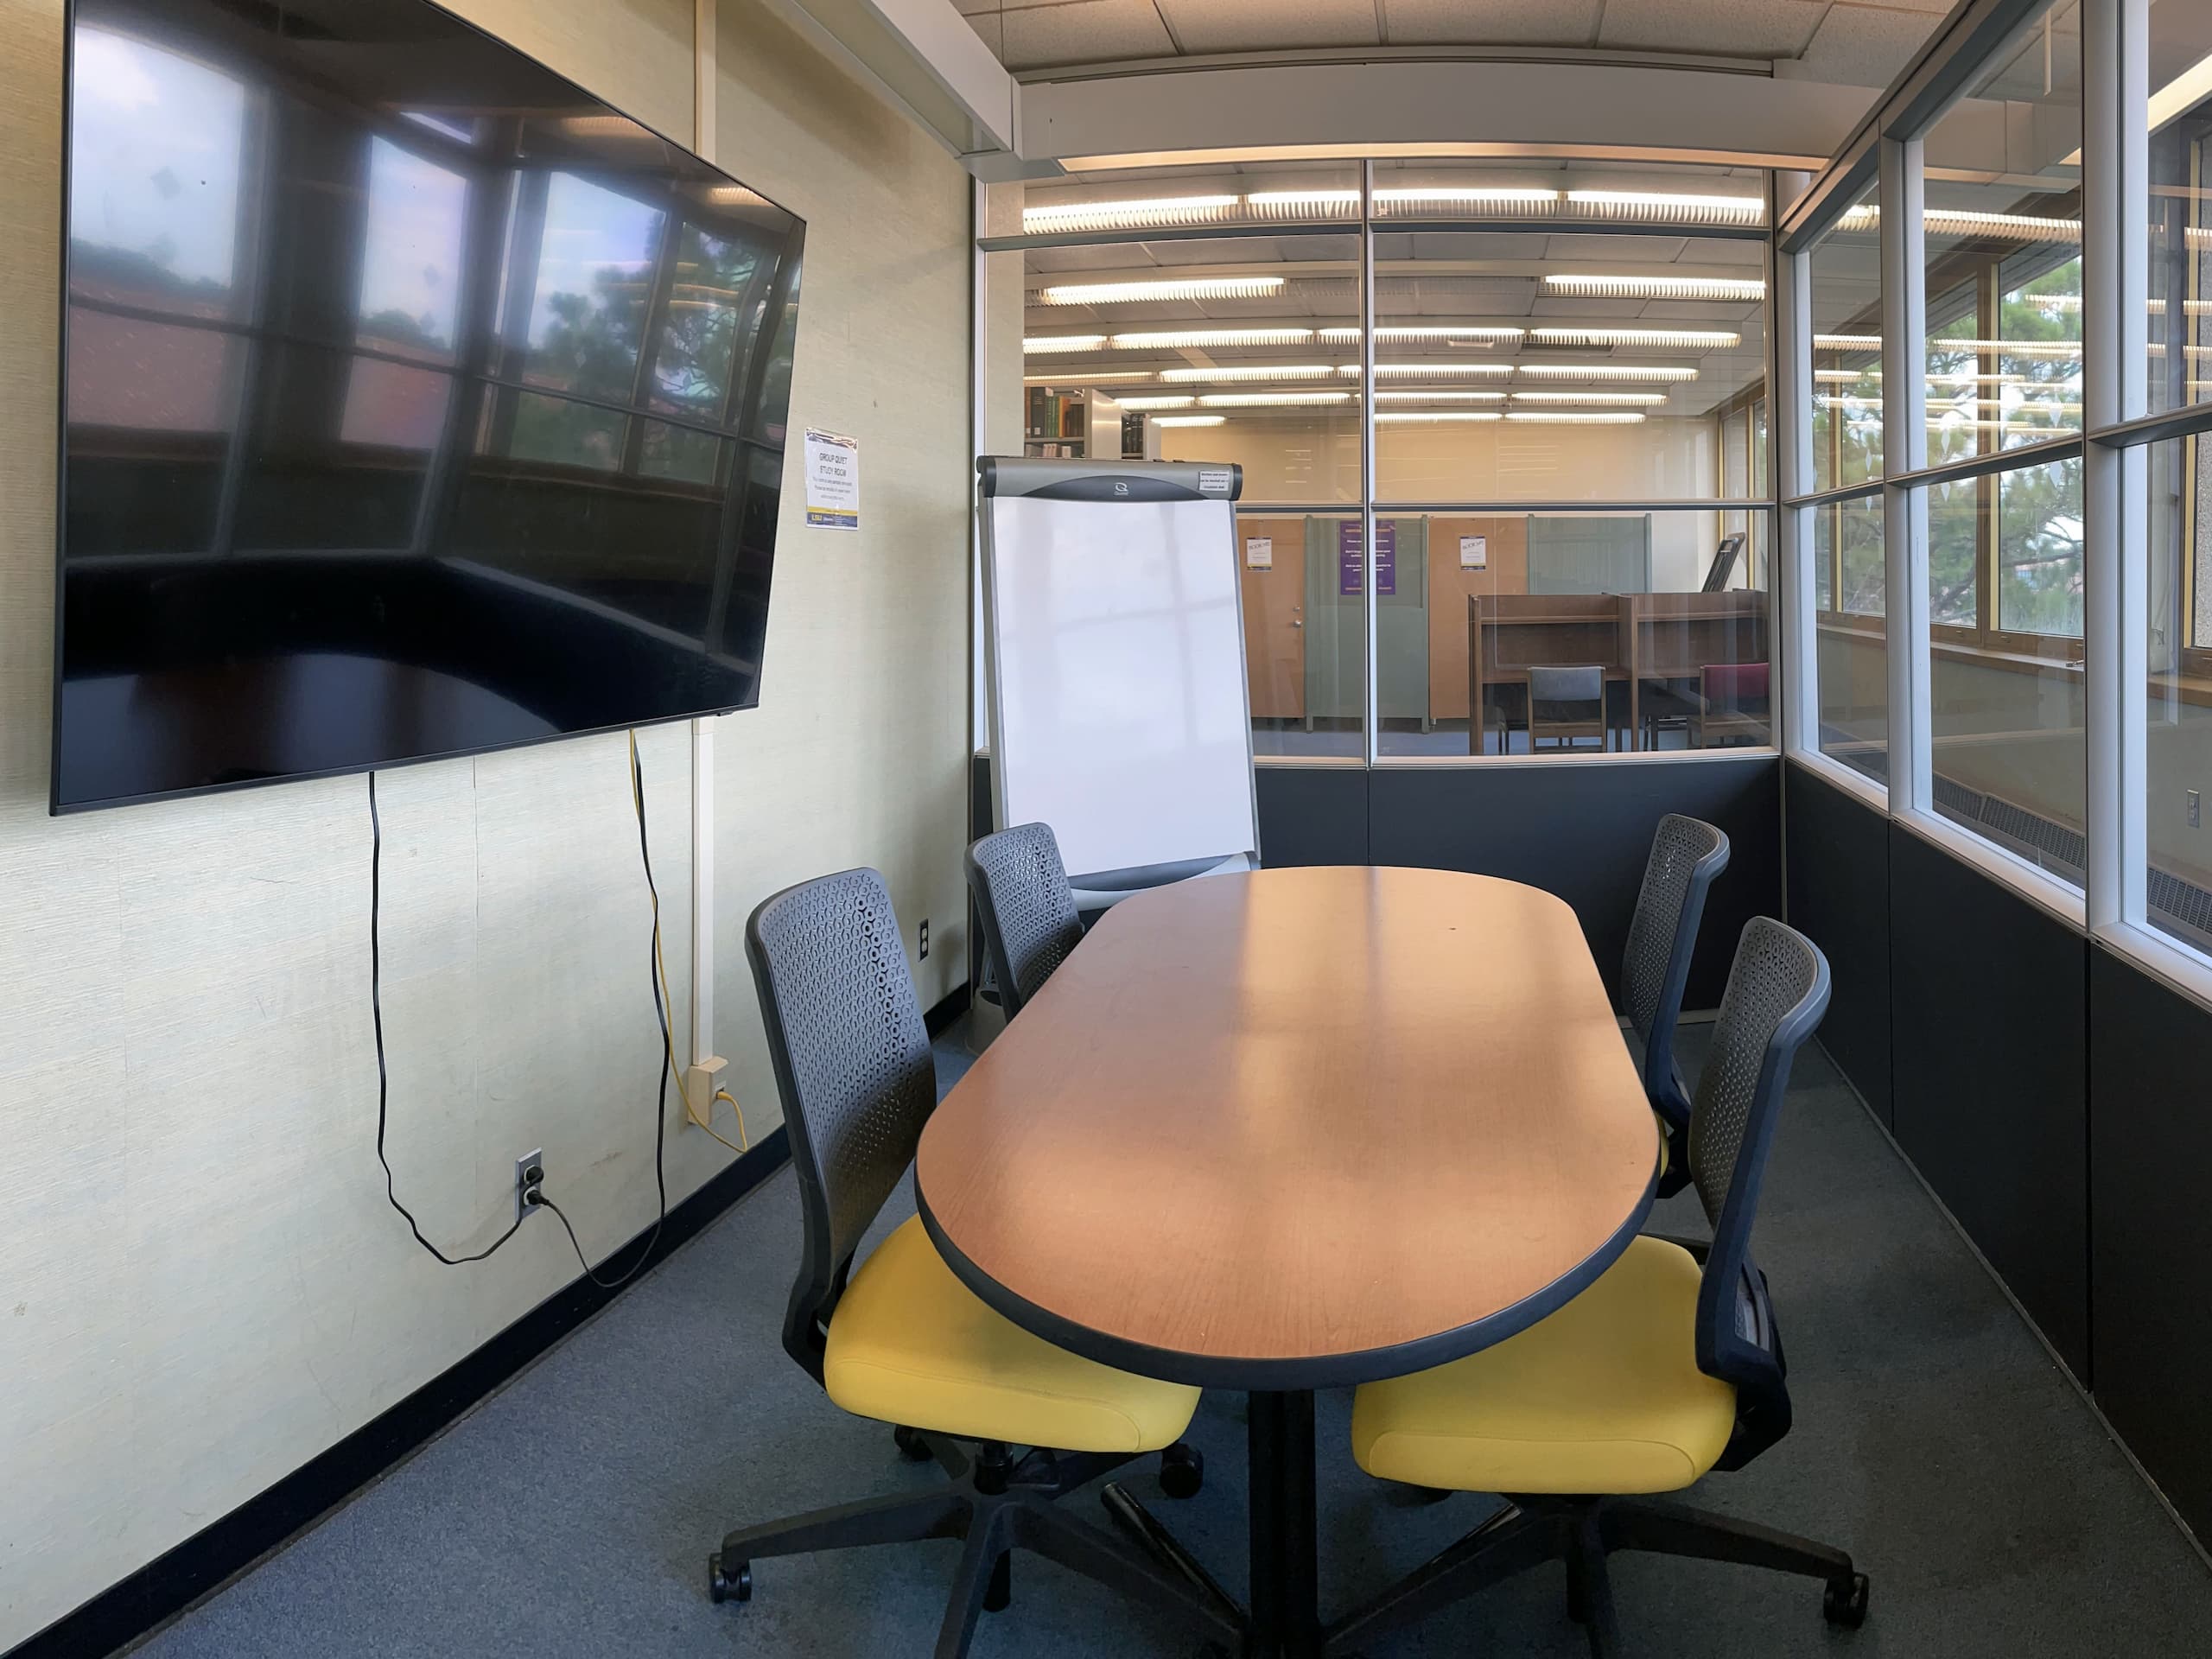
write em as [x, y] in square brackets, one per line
[1505, 570]
[1275, 615]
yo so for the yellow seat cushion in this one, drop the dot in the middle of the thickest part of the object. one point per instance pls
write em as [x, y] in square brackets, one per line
[910, 1343]
[1605, 1396]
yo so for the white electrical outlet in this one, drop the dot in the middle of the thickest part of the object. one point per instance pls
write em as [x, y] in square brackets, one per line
[530, 1178]
[700, 1083]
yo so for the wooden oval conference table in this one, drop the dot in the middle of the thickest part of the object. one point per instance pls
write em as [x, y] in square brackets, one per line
[1292, 1130]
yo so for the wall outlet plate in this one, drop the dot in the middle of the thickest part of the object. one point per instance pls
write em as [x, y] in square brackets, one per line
[529, 1176]
[926, 938]
[700, 1082]
[2195, 809]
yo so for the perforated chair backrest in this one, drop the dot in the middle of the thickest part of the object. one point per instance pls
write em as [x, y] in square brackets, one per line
[1029, 916]
[1563, 686]
[1686, 853]
[853, 1063]
[1777, 991]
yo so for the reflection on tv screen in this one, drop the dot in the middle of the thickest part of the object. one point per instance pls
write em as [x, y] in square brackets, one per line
[416, 403]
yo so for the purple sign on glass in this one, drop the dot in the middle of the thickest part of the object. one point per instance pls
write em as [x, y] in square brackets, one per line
[1386, 557]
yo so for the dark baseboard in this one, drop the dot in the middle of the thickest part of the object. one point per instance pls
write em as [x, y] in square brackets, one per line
[168, 1585]
[940, 1018]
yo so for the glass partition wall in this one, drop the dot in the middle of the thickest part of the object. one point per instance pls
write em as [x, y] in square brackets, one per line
[1539, 389]
[2006, 295]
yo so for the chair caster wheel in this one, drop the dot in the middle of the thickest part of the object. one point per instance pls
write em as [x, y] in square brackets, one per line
[731, 1582]
[1182, 1470]
[1843, 1603]
[911, 1445]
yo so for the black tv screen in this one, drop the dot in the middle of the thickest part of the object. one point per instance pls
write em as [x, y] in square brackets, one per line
[414, 403]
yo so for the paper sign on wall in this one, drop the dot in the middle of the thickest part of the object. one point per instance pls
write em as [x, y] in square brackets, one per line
[1259, 552]
[833, 480]
[1474, 552]
[1348, 562]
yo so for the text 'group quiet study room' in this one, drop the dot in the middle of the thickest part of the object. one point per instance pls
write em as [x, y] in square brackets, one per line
[1091, 829]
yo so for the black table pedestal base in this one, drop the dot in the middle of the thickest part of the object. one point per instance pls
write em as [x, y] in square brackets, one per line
[1286, 1617]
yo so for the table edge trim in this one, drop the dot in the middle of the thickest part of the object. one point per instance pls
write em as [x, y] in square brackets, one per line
[1292, 1372]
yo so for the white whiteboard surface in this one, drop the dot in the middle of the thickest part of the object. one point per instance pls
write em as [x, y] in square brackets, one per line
[1120, 714]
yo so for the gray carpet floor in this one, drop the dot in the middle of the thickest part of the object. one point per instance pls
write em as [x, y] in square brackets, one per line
[572, 1513]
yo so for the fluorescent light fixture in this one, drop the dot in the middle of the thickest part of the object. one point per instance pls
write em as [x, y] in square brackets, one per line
[1188, 420]
[1400, 333]
[1966, 221]
[1049, 216]
[1086, 377]
[1034, 344]
[2049, 350]
[1186, 288]
[1650, 339]
[735, 195]
[1301, 201]
[1849, 377]
[1249, 372]
[2174, 99]
[1427, 395]
[1648, 372]
[1847, 343]
[1954, 422]
[1749, 210]
[1439, 415]
[1415, 370]
[2021, 227]
[1658, 287]
[1183, 402]
[1469, 196]
[1602, 399]
[1171, 339]
[2181, 94]
[601, 127]
[1270, 399]
[1576, 417]
[1418, 370]
[2014, 406]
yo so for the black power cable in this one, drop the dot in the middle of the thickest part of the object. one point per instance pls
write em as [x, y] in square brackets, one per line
[660, 1091]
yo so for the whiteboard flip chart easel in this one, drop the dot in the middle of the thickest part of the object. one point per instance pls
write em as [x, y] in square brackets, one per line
[1114, 648]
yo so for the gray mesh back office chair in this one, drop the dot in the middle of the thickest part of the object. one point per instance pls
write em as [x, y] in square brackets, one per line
[1686, 854]
[1568, 704]
[1029, 916]
[897, 1330]
[1611, 1395]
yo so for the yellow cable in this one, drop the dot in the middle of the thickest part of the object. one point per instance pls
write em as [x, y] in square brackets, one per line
[668, 1003]
[724, 1094]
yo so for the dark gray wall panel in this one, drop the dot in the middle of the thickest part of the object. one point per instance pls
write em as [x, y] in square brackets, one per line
[1989, 1008]
[1312, 814]
[1583, 832]
[1838, 887]
[2151, 1146]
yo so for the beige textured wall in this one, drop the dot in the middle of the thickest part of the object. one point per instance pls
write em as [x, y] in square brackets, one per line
[200, 1286]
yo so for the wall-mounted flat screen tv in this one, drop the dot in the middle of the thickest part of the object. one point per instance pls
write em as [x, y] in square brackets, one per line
[414, 403]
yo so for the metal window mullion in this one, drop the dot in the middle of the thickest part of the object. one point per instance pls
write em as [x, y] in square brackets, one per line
[1371, 714]
[1904, 449]
[1791, 423]
[2115, 290]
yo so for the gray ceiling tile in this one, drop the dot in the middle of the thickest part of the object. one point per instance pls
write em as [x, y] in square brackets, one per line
[1856, 46]
[1492, 22]
[1734, 28]
[1038, 36]
[1270, 25]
